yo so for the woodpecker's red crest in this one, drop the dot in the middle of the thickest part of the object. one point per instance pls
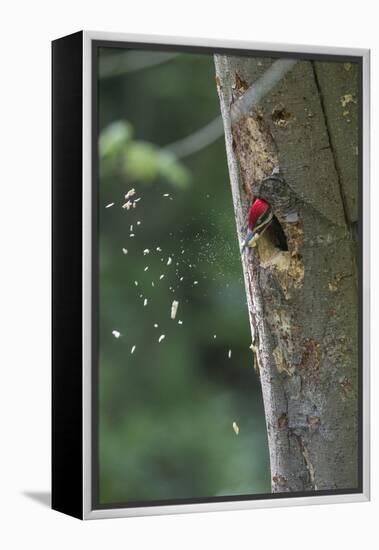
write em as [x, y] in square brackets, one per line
[260, 215]
[257, 209]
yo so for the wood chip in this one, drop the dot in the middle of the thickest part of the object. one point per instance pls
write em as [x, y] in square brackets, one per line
[346, 99]
[174, 309]
[130, 193]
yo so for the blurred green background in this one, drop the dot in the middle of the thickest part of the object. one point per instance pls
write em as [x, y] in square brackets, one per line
[166, 410]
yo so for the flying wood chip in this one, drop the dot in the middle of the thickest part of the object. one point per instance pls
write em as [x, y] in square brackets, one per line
[174, 309]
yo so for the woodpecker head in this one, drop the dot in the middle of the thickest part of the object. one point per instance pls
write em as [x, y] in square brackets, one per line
[260, 215]
[256, 213]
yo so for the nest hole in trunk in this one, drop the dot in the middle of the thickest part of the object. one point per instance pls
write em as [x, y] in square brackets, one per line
[277, 235]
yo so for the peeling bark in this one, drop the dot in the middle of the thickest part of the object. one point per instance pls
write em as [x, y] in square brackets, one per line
[302, 302]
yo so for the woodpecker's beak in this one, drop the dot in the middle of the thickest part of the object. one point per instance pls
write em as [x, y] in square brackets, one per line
[249, 236]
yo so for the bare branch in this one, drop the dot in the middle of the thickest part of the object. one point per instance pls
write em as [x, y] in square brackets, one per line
[214, 130]
[261, 87]
[198, 140]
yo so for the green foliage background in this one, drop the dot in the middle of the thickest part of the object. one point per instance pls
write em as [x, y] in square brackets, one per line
[166, 411]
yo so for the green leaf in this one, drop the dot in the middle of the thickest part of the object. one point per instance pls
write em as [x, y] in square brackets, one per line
[138, 160]
[114, 138]
[141, 161]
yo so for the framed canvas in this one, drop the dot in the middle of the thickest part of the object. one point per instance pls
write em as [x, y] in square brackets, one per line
[210, 275]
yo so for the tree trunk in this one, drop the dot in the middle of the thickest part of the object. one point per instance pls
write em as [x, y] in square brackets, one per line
[303, 305]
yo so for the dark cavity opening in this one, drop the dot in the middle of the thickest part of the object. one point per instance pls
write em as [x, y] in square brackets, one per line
[280, 116]
[278, 235]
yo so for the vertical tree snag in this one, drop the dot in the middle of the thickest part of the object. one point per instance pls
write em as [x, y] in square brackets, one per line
[302, 302]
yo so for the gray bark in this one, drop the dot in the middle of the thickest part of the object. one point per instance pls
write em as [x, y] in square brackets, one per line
[302, 302]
